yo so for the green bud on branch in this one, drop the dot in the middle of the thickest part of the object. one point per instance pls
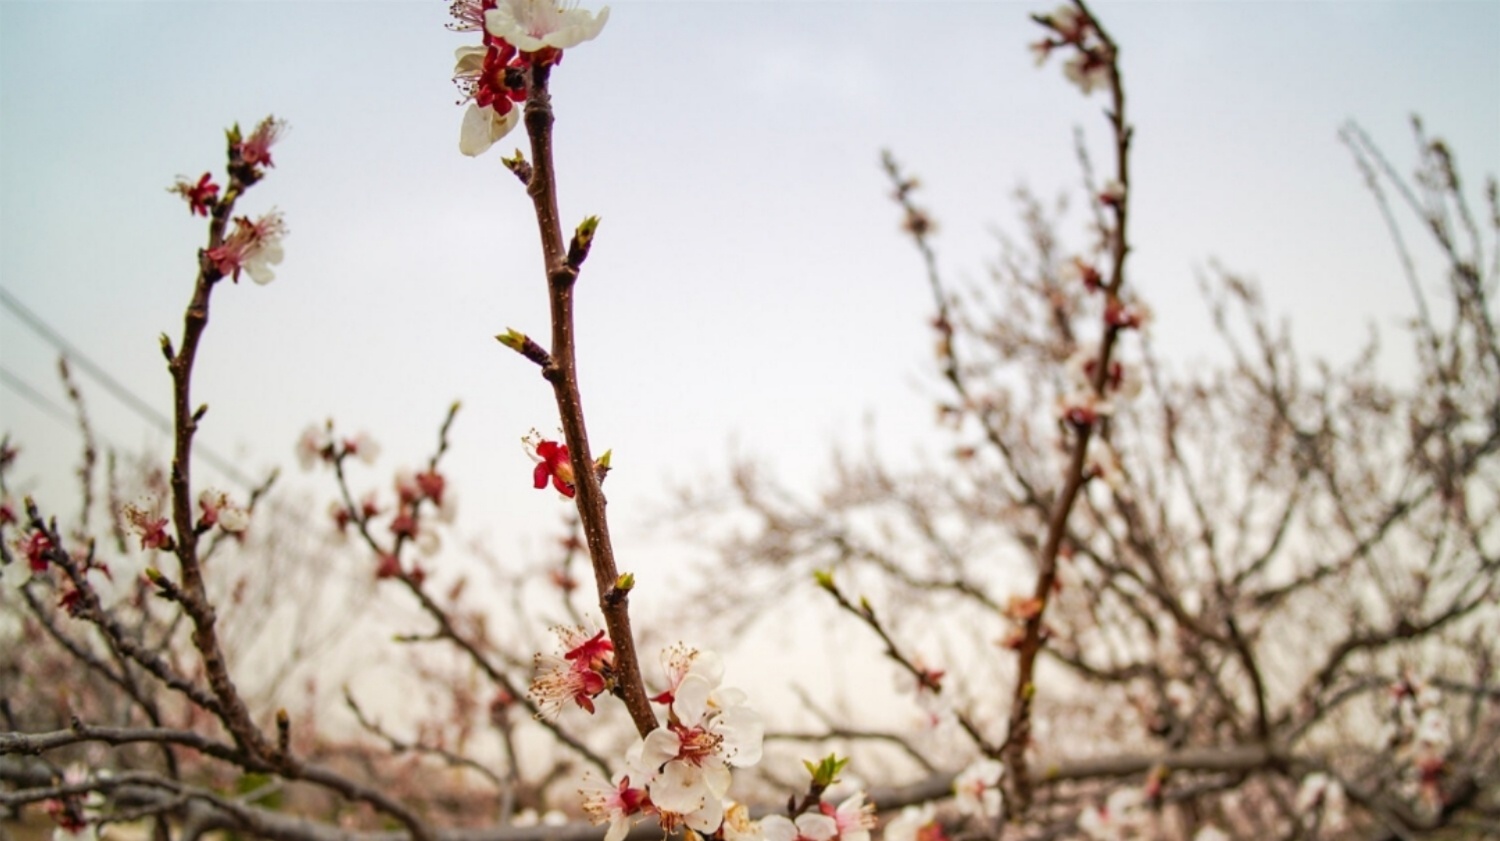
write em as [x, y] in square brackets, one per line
[583, 237]
[826, 772]
[519, 167]
[524, 345]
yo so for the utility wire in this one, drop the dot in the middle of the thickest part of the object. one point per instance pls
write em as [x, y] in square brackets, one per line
[33, 396]
[113, 386]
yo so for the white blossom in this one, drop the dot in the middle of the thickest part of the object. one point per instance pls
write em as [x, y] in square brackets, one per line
[533, 25]
[686, 764]
[1120, 814]
[977, 788]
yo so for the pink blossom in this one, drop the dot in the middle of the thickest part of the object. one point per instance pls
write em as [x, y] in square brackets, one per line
[552, 463]
[151, 528]
[35, 547]
[255, 150]
[582, 673]
[200, 196]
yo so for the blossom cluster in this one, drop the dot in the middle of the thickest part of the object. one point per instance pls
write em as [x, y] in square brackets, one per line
[1421, 735]
[75, 816]
[516, 35]
[318, 444]
[422, 497]
[413, 487]
[252, 245]
[679, 772]
[1071, 27]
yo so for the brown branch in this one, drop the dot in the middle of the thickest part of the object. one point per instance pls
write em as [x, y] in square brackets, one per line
[614, 602]
[1018, 734]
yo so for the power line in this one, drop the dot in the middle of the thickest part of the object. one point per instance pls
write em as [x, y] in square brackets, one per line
[113, 386]
[34, 396]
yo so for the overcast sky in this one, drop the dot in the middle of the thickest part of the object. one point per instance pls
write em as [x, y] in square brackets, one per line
[748, 291]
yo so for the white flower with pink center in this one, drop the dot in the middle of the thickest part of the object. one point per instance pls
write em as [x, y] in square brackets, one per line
[854, 817]
[1119, 814]
[915, 823]
[709, 729]
[976, 789]
[253, 247]
[534, 25]
[482, 74]
[1088, 70]
[614, 803]
[219, 509]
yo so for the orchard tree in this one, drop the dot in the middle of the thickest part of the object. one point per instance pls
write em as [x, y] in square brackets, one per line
[1257, 602]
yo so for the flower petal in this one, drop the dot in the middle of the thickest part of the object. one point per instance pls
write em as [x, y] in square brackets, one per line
[680, 788]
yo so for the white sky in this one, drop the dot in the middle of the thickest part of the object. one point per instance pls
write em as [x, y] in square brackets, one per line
[748, 290]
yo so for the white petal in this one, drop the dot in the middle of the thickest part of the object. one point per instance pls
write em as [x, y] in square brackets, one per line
[743, 730]
[530, 25]
[474, 136]
[691, 700]
[482, 127]
[816, 826]
[679, 788]
[581, 26]
[717, 778]
[778, 828]
[660, 745]
[470, 60]
[710, 665]
[258, 266]
[707, 819]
